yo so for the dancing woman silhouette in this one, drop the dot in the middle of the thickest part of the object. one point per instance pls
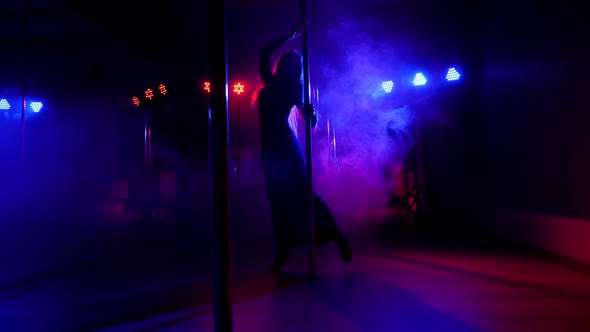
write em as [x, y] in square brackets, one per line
[278, 100]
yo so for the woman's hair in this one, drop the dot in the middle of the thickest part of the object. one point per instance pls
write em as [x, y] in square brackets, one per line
[287, 68]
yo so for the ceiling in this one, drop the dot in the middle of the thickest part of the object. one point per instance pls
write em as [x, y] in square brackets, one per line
[182, 25]
[173, 34]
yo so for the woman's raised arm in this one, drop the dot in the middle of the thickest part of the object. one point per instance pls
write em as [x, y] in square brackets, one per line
[266, 51]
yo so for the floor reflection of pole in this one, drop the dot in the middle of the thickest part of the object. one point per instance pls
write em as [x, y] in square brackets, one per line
[332, 143]
[147, 159]
[147, 149]
[427, 203]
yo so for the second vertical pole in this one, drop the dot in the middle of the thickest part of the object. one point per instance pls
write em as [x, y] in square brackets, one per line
[25, 69]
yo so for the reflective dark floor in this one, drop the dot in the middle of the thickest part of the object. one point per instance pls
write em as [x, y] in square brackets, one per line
[128, 274]
[401, 280]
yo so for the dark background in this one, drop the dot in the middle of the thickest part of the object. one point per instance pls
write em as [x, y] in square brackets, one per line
[512, 134]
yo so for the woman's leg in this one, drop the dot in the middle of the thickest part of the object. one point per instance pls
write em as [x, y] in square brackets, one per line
[278, 203]
[328, 230]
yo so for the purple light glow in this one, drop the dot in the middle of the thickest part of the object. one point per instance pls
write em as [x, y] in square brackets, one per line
[371, 126]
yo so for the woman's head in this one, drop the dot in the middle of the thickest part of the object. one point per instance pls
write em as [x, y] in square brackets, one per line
[287, 70]
[289, 66]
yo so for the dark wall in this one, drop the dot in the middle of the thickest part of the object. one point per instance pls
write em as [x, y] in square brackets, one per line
[533, 111]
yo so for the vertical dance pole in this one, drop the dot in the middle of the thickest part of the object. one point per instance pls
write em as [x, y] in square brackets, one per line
[219, 150]
[308, 152]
